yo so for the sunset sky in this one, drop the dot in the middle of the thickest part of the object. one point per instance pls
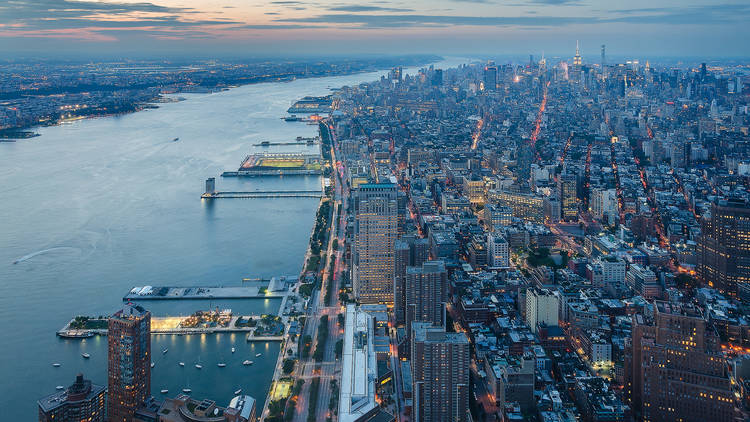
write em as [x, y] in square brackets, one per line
[289, 27]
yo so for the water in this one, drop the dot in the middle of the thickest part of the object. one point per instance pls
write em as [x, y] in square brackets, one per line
[91, 209]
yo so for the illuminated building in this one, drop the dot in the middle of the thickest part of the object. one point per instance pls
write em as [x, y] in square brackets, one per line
[426, 293]
[410, 252]
[440, 374]
[498, 251]
[723, 251]
[129, 362]
[81, 401]
[675, 368]
[577, 59]
[375, 233]
[566, 191]
[527, 207]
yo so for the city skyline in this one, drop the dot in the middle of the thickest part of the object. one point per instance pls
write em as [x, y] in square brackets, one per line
[284, 28]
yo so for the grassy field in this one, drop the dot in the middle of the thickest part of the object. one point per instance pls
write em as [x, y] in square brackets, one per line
[281, 163]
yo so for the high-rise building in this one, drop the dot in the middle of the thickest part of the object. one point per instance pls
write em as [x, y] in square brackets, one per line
[81, 401]
[129, 362]
[375, 233]
[675, 368]
[498, 251]
[409, 252]
[359, 363]
[542, 308]
[440, 374]
[490, 78]
[577, 59]
[426, 293]
[643, 281]
[566, 191]
[604, 205]
[723, 251]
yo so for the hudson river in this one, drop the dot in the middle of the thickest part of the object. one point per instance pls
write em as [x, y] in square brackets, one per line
[90, 209]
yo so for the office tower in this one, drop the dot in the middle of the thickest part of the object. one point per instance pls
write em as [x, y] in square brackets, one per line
[498, 251]
[129, 362]
[577, 59]
[490, 78]
[426, 293]
[497, 216]
[375, 232]
[566, 191]
[704, 71]
[542, 308]
[81, 401]
[397, 73]
[723, 251]
[409, 252]
[437, 77]
[604, 60]
[440, 374]
[675, 368]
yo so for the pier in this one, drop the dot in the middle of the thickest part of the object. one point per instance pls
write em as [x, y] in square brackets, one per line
[174, 293]
[276, 172]
[265, 194]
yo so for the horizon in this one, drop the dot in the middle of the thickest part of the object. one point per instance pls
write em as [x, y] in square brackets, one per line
[126, 28]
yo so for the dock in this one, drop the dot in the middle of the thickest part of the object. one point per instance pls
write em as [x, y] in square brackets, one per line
[276, 172]
[265, 194]
[218, 292]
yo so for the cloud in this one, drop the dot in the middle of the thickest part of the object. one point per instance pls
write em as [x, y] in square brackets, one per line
[409, 20]
[363, 8]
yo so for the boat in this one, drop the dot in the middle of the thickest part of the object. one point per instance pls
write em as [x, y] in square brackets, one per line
[60, 387]
[257, 355]
[237, 393]
[232, 349]
[265, 143]
[164, 352]
[187, 390]
[247, 362]
[164, 391]
[85, 355]
[153, 364]
[198, 366]
[182, 363]
[175, 139]
[56, 365]
[221, 365]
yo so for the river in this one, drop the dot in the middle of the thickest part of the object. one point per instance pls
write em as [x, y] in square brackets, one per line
[93, 208]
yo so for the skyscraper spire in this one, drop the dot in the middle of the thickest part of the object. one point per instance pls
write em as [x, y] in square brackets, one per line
[577, 60]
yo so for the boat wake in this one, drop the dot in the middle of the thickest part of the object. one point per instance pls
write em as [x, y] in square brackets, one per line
[37, 253]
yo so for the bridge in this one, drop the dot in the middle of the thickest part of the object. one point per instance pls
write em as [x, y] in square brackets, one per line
[265, 194]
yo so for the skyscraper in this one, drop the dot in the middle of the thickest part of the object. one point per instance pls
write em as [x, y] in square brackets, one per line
[577, 59]
[426, 293]
[566, 191]
[410, 252]
[440, 374]
[375, 233]
[490, 78]
[129, 361]
[723, 251]
[82, 401]
[675, 368]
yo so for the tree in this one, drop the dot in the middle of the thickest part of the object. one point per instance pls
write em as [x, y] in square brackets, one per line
[288, 366]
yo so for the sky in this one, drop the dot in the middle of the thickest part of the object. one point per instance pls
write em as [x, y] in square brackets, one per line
[256, 28]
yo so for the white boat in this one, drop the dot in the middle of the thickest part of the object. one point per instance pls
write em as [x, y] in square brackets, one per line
[60, 387]
[198, 366]
[153, 364]
[85, 355]
[182, 363]
[237, 393]
[257, 355]
[221, 365]
[247, 362]
[164, 351]
[164, 391]
[232, 349]
[187, 390]
[56, 365]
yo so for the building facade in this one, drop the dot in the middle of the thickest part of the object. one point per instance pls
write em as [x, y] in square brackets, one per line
[81, 401]
[129, 362]
[375, 233]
